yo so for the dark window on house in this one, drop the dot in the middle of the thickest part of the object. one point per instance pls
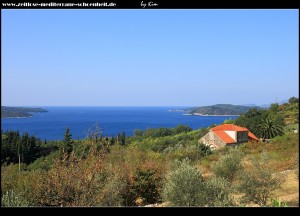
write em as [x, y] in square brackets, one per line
[241, 137]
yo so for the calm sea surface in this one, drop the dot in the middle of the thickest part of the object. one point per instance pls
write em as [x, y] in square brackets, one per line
[111, 120]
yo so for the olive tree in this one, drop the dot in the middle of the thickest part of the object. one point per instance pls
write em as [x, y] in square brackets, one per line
[258, 183]
[184, 185]
[229, 165]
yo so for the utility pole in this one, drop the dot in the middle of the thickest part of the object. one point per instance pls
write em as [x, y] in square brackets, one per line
[19, 163]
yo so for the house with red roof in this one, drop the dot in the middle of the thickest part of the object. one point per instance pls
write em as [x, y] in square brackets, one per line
[227, 134]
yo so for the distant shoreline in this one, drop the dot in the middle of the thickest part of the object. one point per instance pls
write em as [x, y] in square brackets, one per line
[19, 112]
[19, 117]
[199, 114]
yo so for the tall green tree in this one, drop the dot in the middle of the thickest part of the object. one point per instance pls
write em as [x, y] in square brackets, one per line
[112, 140]
[123, 138]
[67, 145]
[118, 138]
[294, 100]
[274, 108]
[181, 128]
[13, 145]
[251, 119]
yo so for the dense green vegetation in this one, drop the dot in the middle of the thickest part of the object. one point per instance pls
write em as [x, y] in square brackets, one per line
[220, 109]
[155, 166]
[15, 147]
[269, 123]
[9, 112]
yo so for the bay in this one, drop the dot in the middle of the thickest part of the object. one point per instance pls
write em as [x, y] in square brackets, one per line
[112, 120]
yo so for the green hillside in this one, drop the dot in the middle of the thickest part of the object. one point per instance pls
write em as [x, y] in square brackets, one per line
[219, 109]
[14, 112]
[157, 166]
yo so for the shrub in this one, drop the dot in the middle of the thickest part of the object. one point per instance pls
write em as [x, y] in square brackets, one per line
[278, 203]
[113, 191]
[259, 183]
[217, 192]
[181, 128]
[11, 199]
[229, 165]
[184, 185]
[204, 150]
[144, 188]
[24, 184]
[44, 163]
[74, 182]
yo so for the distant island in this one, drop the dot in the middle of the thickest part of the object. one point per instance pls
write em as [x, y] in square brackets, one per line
[219, 110]
[18, 112]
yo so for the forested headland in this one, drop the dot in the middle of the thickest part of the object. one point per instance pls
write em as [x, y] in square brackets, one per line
[18, 112]
[220, 109]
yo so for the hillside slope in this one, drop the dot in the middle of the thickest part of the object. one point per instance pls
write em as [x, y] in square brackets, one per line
[15, 112]
[219, 109]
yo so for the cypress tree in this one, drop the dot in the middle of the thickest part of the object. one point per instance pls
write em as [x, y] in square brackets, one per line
[123, 138]
[67, 145]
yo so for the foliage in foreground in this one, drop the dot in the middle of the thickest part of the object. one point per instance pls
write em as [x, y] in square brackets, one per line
[74, 181]
[102, 172]
[184, 185]
[278, 203]
[229, 165]
[11, 199]
[258, 183]
[15, 147]
[143, 189]
[270, 128]
[218, 192]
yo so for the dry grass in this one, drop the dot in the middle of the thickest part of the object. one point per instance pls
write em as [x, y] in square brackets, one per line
[289, 192]
[283, 154]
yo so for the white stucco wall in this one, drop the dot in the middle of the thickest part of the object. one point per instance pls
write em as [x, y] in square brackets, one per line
[232, 134]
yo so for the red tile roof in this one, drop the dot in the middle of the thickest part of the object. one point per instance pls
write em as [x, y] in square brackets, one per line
[220, 132]
[252, 136]
[224, 136]
[229, 127]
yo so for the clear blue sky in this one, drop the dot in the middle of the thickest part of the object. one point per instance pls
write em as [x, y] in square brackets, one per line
[148, 57]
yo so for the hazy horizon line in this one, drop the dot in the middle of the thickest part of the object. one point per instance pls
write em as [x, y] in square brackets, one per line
[132, 105]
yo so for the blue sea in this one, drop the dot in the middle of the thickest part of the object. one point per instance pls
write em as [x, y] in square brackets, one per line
[112, 120]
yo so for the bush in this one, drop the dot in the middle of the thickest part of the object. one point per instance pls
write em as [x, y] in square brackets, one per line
[184, 185]
[74, 182]
[291, 128]
[25, 185]
[259, 183]
[217, 192]
[44, 163]
[11, 199]
[181, 128]
[144, 188]
[204, 150]
[113, 191]
[229, 165]
[278, 203]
